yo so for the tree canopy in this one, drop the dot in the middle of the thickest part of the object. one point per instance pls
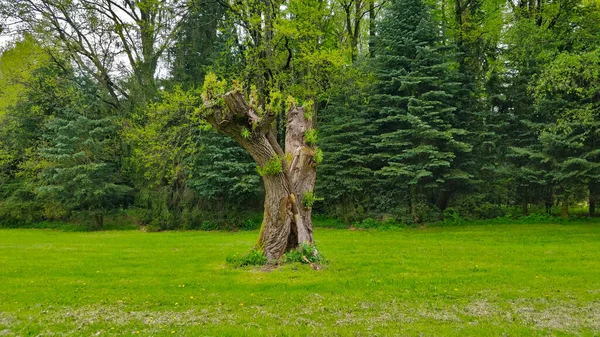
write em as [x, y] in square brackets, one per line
[410, 110]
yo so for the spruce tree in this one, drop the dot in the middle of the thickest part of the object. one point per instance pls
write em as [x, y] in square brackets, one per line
[80, 159]
[417, 140]
[345, 177]
[222, 174]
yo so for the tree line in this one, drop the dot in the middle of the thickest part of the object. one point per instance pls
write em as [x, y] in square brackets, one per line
[412, 110]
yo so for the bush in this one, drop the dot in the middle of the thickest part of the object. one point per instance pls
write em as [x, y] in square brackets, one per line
[475, 206]
[452, 217]
[255, 257]
[250, 224]
[368, 223]
[209, 225]
[305, 253]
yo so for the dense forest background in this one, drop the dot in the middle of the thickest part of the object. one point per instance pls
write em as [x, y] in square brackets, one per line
[425, 110]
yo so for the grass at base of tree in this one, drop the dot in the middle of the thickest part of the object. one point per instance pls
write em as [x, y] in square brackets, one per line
[516, 280]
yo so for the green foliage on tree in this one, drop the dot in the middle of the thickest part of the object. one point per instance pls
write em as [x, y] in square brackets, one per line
[569, 93]
[417, 141]
[414, 109]
[79, 174]
[81, 170]
[345, 176]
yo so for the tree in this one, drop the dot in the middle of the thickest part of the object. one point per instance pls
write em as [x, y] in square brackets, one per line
[540, 33]
[354, 14]
[417, 140]
[19, 74]
[179, 165]
[29, 90]
[345, 136]
[96, 33]
[199, 43]
[289, 176]
[569, 92]
[285, 53]
[218, 170]
[80, 173]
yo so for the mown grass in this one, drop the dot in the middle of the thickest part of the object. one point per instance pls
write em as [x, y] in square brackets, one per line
[515, 280]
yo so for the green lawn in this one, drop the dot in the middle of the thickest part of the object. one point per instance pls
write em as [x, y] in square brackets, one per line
[515, 280]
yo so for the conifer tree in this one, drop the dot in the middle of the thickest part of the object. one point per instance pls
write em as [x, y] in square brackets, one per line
[80, 160]
[417, 140]
[345, 177]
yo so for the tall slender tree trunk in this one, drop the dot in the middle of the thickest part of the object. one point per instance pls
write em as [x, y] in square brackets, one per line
[593, 190]
[564, 206]
[287, 176]
[414, 204]
[372, 28]
[99, 220]
[524, 201]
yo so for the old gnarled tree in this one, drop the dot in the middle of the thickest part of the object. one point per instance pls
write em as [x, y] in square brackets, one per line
[288, 171]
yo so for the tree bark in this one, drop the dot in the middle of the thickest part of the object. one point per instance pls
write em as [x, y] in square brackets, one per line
[287, 223]
[524, 193]
[372, 35]
[564, 207]
[593, 190]
[99, 220]
[414, 204]
[442, 199]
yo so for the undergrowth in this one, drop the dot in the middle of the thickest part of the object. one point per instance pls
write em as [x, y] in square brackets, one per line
[305, 254]
[254, 257]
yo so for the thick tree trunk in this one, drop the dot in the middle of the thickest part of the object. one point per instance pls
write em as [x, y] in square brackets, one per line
[442, 199]
[287, 223]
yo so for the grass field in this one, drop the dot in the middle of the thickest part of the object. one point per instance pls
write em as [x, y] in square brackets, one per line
[514, 280]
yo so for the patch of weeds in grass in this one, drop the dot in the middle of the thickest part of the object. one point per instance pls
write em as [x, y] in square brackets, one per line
[255, 257]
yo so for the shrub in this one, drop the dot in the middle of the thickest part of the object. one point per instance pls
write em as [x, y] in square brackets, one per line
[249, 225]
[305, 253]
[476, 206]
[209, 225]
[367, 223]
[452, 217]
[255, 257]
